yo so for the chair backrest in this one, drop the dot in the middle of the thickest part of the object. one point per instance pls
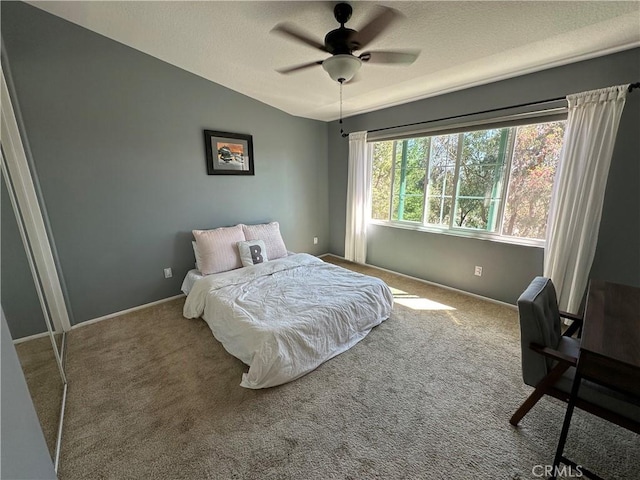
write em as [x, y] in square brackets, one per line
[539, 323]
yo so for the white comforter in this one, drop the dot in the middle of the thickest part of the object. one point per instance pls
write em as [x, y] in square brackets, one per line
[285, 317]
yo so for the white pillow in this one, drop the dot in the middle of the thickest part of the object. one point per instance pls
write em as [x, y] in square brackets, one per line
[196, 253]
[252, 252]
[218, 249]
[269, 233]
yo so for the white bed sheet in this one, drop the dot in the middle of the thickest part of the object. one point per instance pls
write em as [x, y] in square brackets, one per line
[190, 280]
[285, 317]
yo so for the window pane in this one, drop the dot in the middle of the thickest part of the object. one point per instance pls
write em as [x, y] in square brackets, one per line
[409, 179]
[381, 180]
[480, 178]
[442, 162]
[533, 166]
[439, 211]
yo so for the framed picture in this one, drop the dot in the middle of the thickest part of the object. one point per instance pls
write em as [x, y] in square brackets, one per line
[228, 153]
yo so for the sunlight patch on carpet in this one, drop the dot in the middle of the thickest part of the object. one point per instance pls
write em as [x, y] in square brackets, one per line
[415, 302]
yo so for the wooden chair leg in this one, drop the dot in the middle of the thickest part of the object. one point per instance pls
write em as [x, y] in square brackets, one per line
[526, 406]
[548, 381]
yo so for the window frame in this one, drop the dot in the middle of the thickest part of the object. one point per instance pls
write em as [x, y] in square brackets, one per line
[511, 121]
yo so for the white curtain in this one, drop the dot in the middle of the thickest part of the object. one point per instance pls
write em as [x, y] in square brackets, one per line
[358, 197]
[578, 191]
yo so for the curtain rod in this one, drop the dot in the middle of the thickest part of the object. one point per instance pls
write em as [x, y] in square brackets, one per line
[632, 87]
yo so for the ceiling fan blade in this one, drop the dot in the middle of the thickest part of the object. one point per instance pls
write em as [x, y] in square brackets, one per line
[294, 32]
[297, 68]
[375, 27]
[395, 57]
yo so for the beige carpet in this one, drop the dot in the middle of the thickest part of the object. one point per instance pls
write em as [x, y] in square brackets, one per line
[45, 384]
[426, 395]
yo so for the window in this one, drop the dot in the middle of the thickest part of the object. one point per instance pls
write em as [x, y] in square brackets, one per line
[494, 182]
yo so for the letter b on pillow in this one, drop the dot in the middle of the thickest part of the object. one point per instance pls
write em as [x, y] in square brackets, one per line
[256, 254]
[252, 252]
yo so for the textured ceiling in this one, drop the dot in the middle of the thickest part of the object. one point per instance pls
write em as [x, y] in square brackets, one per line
[462, 43]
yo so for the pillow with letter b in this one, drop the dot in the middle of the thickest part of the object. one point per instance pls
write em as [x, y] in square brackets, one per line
[252, 252]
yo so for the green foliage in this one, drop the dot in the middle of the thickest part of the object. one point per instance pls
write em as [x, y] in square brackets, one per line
[479, 178]
[409, 185]
[444, 150]
[381, 180]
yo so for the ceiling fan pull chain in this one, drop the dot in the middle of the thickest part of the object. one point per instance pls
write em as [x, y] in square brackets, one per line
[340, 103]
[341, 130]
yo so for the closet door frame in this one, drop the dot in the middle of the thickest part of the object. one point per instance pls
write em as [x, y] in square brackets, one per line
[26, 197]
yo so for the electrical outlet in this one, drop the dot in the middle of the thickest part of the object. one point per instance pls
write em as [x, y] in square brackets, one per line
[315, 240]
[478, 271]
[168, 273]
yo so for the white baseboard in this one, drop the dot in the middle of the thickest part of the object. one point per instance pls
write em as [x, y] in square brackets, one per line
[31, 337]
[128, 310]
[446, 287]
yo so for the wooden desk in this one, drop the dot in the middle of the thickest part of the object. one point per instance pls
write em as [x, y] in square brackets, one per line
[610, 345]
[609, 349]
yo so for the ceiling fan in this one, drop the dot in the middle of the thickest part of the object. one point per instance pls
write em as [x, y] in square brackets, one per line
[342, 65]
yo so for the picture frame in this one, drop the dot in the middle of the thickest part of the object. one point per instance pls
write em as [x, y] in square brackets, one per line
[228, 153]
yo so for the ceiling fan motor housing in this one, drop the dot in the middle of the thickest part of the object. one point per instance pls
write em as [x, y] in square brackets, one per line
[341, 41]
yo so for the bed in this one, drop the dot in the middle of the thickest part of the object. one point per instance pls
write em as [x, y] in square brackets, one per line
[283, 318]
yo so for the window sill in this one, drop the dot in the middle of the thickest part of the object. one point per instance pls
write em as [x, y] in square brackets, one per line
[526, 242]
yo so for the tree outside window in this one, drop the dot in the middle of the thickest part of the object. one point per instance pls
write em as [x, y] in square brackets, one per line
[497, 181]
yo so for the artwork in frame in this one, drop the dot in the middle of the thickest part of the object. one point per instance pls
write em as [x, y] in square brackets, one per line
[228, 153]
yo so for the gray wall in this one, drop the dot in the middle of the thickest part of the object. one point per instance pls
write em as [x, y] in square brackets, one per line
[117, 144]
[618, 255]
[507, 268]
[18, 294]
[24, 452]
[450, 260]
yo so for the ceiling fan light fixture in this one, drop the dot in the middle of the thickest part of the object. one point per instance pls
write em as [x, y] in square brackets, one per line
[342, 68]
